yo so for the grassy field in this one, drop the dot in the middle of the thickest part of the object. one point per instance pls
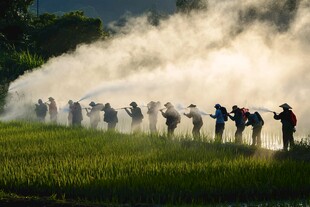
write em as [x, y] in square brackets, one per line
[95, 166]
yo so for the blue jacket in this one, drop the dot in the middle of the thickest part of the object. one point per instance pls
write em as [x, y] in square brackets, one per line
[218, 116]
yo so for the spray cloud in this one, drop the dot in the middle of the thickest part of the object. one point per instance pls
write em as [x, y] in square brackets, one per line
[204, 58]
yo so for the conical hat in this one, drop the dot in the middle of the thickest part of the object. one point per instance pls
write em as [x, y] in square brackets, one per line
[285, 106]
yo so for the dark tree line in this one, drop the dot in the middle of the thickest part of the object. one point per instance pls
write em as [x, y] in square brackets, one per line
[27, 41]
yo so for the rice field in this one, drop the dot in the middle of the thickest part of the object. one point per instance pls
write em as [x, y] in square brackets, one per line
[82, 164]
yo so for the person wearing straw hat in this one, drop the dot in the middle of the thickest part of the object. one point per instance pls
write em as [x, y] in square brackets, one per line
[52, 108]
[77, 115]
[94, 114]
[289, 121]
[136, 116]
[197, 120]
[152, 111]
[172, 116]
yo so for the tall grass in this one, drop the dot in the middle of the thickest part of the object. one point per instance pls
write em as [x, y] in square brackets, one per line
[78, 163]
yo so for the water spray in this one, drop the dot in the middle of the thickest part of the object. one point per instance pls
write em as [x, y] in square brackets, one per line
[262, 109]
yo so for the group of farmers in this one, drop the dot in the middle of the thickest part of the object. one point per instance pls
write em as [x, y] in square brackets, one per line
[241, 116]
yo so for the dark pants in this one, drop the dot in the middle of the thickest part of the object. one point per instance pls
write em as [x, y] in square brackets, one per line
[111, 126]
[219, 130]
[256, 136]
[238, 134]
[196, 129]
[171, 129]
[288, 137]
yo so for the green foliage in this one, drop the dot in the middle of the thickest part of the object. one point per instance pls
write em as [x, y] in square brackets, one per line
[50, 160]
[187, 6]
[16, 63]
[55, 35]
[13, 19]
[278, 13]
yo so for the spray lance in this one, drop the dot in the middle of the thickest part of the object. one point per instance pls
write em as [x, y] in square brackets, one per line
[123, 108]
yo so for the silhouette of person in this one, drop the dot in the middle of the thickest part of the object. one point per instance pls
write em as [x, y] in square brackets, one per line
[70, 102]
[172, 116]
[219, 124]
[239, 122]
[94, 114]
[110, 116]
[197, 120]
[52, 108]
[288, 120]
[77, 116]
[41, 110]
[136, 115]
[153, 109]
[257, 124]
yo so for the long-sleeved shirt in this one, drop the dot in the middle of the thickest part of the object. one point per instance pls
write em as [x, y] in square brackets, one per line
[285, 117]
[195, 114]
[218, 116]
[238, 117]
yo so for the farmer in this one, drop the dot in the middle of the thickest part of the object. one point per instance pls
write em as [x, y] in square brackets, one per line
[110, 116]
[257, 123]
[41, 110]
[94, 114]
[152, 111]
[52, 108]
[197, 120]
[219, 124]
[70, 102]
[172, 116]
[239, 122]
[289, 122]
[136, 115]
[77, 116]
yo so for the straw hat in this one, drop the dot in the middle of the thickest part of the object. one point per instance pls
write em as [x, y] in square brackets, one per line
[191, 106]
[92, 103]
[168, 104]
[285, 106]
[133, 104]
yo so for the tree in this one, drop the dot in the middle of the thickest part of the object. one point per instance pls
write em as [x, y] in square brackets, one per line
[55, 35]
[13, 18]
[186, 6]
[277, 13]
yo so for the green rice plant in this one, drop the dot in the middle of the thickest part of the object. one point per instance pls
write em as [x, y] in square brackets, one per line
[46, 160]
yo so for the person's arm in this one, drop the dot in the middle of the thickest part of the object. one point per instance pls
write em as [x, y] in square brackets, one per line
[216, 115]
[128, 112]
[233, 118]
[276, 116]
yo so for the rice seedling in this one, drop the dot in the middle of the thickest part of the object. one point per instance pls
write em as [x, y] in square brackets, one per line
[79, 163]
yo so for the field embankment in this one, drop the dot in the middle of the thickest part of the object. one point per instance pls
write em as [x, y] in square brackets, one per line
[81, 164]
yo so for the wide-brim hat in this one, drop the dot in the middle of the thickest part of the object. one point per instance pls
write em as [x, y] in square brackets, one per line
[92, 103]
[51, 99]
[168, 104]
[133, 104]
[285, 106]
[191, 106]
